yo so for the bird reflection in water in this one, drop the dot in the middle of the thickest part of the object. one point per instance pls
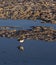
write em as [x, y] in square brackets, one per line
[21, 48]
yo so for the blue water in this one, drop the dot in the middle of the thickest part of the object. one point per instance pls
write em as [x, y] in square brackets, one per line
[24, 23]
[36, 52]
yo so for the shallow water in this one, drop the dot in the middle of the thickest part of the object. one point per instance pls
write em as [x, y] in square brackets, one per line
[25, 24]
[36, 52]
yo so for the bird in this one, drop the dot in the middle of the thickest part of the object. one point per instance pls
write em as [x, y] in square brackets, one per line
[21, 40]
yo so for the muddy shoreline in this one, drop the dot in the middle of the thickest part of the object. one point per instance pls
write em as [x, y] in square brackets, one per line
[31, 10]
[36, 33]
